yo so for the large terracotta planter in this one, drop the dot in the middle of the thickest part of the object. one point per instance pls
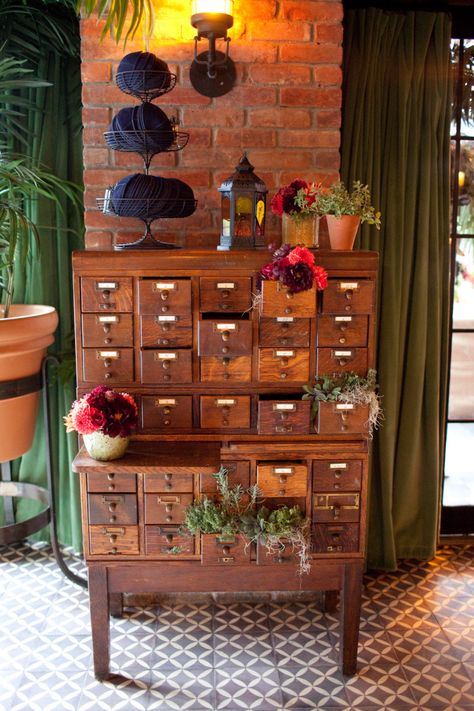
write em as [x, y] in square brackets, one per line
[24, 338]
[342, 230]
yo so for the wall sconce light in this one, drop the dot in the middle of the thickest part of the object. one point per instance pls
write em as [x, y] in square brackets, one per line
[212, 73]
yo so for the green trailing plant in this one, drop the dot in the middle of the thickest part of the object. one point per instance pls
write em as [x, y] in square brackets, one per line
[121, 16]
[235, 512]
[349, 388]
[337, 200]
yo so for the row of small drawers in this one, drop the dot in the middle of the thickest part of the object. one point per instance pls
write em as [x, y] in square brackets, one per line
[216, 295]
[172, 367]
[232, 337]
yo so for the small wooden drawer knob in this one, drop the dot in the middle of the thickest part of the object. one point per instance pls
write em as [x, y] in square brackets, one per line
[107, 341]
[288, 310]
[225, 362]
[114, 551]
[226, 550]
[166, 376]
[283, 375]
[106, 327]
[165, 364]
[164, 294]
[283, 341]
[165, 326]
[112, 519]
[342, 339]
[105, 294]
[107, 362]
[107, 376]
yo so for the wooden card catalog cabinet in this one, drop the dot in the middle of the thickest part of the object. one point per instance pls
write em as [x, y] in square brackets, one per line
[218, 378]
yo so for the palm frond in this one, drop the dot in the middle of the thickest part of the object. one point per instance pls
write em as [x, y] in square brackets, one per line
[116, 13]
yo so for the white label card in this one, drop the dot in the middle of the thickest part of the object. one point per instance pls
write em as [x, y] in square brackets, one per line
[106, 285]
[338, 319]
[225, 285]
[346, 406]
[166, 356]
[338, 465]
[283, 470]
[226, 326]
[285, 319]
[225, 402]
[284, 354]
[165, 401]
[161, 285]
[167, 318]
[108, 354]
[348, 285]
[343, 354]
[284, 406]
[108, 319]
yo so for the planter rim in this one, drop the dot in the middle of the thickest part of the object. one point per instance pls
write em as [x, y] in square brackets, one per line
[26, 311]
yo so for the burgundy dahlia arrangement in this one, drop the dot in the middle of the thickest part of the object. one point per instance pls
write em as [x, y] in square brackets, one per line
[299, 199]
[296, 269]
[103, 410]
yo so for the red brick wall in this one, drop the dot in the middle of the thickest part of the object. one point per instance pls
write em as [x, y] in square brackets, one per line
[284, 110]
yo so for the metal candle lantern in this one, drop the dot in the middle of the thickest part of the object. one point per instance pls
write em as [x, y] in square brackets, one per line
[243, 197]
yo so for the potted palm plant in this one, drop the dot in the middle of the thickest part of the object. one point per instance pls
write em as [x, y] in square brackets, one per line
[26, 330]
[345, 210]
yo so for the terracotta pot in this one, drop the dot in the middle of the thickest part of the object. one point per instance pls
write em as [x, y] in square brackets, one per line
[342, 230]
[104, 448]
[24, 338]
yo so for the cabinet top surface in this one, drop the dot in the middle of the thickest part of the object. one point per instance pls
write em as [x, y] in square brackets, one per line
[188, 260]
[141, 456]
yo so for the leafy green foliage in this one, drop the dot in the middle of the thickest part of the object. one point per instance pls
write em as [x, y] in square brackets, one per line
[121, 14]
[337, 200]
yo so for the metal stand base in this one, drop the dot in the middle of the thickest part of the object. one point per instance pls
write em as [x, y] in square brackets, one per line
[12, 531]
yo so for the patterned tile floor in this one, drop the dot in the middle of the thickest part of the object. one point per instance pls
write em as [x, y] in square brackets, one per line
[416, 648]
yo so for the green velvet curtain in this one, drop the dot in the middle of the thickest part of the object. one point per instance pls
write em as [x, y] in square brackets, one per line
[55, 140]
[396, 138]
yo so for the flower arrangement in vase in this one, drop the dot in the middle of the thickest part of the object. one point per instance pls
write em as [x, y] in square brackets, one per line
[297, 205]
[345, 211]
[105, 419]
[294, 268]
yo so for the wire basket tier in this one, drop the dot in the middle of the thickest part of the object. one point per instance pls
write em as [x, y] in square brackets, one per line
[145, 84]
[149, 141]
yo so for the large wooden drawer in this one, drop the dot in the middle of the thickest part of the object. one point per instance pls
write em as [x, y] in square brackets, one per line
[283, 365]
[167, 540]
[337, 475]
[113, 540]
[277, 301]
[112, 508]
[102, 482]
[226, 294]
[283, 417]
[332, 507]
[108, 365]
[226, 412]
[166, 331]
[107, 330]
[166, 366]
[237, 369]
[166, 508]
[284, 554]
[342, 359]
[106, 294]
[238, 473]
[224, 550]
[284, 331]
[225, 338]
[164, 296]
[342, 331]
[282, 479]
[339, 418]
[169, 482]
[335, 538]
[354, 296]
[167, 412]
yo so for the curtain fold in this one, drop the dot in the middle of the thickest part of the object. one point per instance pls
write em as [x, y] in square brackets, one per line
[55, 141]
[395, 137]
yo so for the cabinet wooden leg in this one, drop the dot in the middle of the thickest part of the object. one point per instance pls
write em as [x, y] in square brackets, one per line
[99, 606]
[351, 595]
[330, 600]
[115, 604]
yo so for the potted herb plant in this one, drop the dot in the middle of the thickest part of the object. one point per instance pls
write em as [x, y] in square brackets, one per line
[26, 331]
[346, 403]
[345, 210]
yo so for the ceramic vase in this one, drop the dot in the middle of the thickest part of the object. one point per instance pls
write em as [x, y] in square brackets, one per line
[304, 231]
[342, 230]
[104, 448]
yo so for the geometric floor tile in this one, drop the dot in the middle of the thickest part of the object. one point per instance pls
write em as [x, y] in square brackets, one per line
[416, 645]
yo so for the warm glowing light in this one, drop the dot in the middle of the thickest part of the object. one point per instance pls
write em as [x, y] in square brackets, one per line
[223, 6]
[461, 178]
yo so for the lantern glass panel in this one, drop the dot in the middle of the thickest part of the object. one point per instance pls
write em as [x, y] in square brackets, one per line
[243, 216]
[225, 210]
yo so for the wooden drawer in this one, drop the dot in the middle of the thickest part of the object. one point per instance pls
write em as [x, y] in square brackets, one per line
[170, 482]
[167, 540]
[282, 417]
[217, 368]
[354, 296]
[166, 508]
[342, 359]
[282, 479]
[238, 473]
[224, 550]
[338, 417]
[103, 482]
[108, 365]
[335, 538]
[164, 296]
[166, 331]
[231, 412]
[336, 507]
[166, 366]
[167, 413]
[102, 330]
[337, 475]
[107, 294]
[284, 331]
[343, 331]
[231, 294]
[225, 338]
[283, 365]
[113, 540]
[276, 301]
[285, 554]
[112, 508]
